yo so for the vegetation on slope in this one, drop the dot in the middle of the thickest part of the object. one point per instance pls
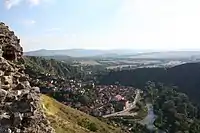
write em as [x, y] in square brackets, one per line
[174, 110]
[67, 120]
[186, 77]
[175, 113]
[39, 65]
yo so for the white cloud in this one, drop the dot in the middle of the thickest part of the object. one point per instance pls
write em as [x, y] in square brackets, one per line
[34, 2]
[145, 24]
[11, 3]
[53, 29]
[49, 41]
[28, 22]
[160, 24]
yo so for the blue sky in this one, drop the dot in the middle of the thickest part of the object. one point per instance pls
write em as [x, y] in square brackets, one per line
[104, 24]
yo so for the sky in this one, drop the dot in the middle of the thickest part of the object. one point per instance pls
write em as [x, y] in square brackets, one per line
[104, 24]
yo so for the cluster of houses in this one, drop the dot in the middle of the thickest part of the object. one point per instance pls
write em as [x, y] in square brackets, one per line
[105, 99]
[112, 98]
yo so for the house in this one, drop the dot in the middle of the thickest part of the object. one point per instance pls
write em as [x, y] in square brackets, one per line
[117, 98]
[124, 103]
[119, 103]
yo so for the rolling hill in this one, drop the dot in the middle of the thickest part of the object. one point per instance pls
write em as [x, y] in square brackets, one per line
[166, 55]
[79, 52]
[38, 65]
[68, 54]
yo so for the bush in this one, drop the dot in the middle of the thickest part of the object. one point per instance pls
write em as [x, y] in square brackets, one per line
[92, 127]
[87, 124]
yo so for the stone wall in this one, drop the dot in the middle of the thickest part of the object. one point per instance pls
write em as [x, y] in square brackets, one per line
[20, 110]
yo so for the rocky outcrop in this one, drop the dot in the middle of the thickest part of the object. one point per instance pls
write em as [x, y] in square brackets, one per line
[20, 109]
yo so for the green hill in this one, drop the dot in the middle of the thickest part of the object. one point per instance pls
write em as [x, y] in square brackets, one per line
[39, 65]
[67, 120]
[185, 77]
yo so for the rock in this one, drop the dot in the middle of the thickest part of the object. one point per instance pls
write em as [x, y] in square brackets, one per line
[7, 73]
[4, 130]
[4, 116]
[10, 97]
[21, 68]
[17, 118]
[27, 84]
[17, 131]
[17, 75]
[36, 89]
[8, 130]
[1, 73]
[20, 110]
[6, 87]
[25, 91]
[21, 60]
[3, 94]
[5, 122]
[6, 80]
[23, 78]
[10, 69]
[19, 92]
[20, 86]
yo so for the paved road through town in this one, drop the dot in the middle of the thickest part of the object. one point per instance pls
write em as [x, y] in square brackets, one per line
[126, 112]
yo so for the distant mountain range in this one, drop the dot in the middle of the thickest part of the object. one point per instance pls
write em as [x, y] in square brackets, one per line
[78, 52]
[150, 54]
[168, 55]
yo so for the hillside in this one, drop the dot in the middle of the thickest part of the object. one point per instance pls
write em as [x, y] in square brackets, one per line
[41, 67]
[184, 76]
[67, 120]
[38, 65]
[175, 113]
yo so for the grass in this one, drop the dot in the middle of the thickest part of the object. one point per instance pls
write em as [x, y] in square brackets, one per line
[141, 114]
[67, 120]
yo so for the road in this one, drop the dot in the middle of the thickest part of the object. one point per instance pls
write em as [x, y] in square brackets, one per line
[126, 112]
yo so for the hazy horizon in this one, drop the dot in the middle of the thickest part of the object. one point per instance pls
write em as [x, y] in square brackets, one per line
[104, 24]
[138, 50]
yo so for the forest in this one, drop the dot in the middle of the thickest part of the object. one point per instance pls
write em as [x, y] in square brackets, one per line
[185, 77]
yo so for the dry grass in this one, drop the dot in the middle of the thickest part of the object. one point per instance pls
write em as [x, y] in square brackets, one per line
[67, 120]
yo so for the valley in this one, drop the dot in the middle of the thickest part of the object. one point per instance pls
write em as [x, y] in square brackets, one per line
[99, 66]
[113, 94]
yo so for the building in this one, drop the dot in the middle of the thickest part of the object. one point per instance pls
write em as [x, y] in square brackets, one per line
[119, 103]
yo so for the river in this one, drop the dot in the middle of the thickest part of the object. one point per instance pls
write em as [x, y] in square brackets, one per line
[150, 118]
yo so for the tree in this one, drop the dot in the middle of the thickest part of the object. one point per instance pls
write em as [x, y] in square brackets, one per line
[84, 99]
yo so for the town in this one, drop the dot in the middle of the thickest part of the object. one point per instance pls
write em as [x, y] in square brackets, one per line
[96, 100]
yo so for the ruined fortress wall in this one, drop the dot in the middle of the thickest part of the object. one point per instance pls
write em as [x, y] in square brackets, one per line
[20, 110]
